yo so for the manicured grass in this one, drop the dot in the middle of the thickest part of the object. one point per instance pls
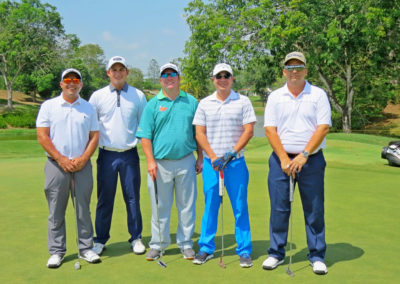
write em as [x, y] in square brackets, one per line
[362, 216]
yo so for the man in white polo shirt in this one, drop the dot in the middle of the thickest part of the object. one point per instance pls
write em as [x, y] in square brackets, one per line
[224, 125]
[297, 120]
[68, 131]
[119, 108]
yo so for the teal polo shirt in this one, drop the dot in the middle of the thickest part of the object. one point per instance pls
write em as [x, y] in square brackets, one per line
[168, 124]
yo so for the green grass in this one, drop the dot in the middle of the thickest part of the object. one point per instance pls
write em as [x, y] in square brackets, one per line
[362, 217]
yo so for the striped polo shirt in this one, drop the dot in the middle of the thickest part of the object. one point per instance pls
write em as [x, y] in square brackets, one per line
[224, 120]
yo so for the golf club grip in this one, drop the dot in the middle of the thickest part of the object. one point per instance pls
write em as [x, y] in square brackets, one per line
[221, 183]
[291, 189]
[155, 190]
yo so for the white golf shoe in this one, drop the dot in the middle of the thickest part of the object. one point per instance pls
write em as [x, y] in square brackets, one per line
[138, 247]
[271, 263]
[319, 267]
[90, 256]
[55, 261]
[98, 248]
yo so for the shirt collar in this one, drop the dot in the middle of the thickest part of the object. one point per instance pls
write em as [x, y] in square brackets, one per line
[306, 90]
[124, 88]
[161, 95]
[232, 96]
[62, 101]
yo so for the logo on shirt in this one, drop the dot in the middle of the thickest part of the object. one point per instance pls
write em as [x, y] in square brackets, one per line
[162, 108]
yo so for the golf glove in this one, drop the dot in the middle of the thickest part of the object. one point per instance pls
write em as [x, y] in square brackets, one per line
[218, 163]
[228, 156]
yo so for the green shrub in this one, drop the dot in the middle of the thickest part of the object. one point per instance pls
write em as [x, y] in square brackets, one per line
[3, 123]
[25, 118]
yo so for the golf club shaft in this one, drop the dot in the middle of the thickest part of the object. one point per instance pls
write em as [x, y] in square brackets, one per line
[75, 204]
[291, 199]
[221, 193]
[160, 262]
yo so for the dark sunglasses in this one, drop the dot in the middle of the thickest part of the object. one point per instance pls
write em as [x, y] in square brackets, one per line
[298, 68]
[70, 80]
[172, 74]
[226, 76]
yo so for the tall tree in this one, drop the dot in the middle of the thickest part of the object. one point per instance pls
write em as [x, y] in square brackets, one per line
[135, 78]
[153, 71]
[29, 31]
[351, 45]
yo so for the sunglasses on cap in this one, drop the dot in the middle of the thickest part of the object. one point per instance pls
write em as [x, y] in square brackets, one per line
[71, 80]
[226, 76]
[166, 75]
[298, 68]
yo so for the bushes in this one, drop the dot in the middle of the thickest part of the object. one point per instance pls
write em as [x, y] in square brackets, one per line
[21, 118]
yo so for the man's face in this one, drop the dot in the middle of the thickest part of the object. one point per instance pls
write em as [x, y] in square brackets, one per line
[223, 81]
[170, 82]
[117, 74]
[70, 85]
[295, 76]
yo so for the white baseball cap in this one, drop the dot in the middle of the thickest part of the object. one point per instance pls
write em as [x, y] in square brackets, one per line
[169, 66]
[70, 70]
[222, 67]
[116, 59]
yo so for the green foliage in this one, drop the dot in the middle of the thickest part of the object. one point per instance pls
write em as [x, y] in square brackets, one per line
[135, 78]
[351, 46]
[24, 117]
[3, 123]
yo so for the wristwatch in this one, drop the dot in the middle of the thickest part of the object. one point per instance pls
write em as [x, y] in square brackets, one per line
[306, 154]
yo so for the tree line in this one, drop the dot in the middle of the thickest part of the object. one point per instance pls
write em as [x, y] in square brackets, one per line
[351, 47]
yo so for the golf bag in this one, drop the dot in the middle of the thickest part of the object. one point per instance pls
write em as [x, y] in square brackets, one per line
[392, 153]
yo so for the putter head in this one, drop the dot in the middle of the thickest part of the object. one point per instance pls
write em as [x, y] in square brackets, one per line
[289, 272]
[221, 264]
[162, 263]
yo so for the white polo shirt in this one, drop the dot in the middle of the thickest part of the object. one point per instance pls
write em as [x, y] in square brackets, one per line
[69, 124]
[224, 120]
[297, 119]
[118, 125]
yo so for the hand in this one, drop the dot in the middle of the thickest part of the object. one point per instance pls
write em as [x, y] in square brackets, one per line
[66, 164]
[228, 156]
[199, 166]
[152, 169]
[79, 163]
[297, 164]
[217, 164]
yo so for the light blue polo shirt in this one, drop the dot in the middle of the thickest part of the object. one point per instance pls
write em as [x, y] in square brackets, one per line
[168, 124]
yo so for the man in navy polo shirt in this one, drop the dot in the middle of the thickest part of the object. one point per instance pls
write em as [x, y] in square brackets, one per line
[119, 108]
[168, 141]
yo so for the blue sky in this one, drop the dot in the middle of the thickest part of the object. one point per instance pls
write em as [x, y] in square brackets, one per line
[136, 30]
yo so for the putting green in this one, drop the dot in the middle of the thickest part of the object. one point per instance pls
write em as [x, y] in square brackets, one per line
[362, 217]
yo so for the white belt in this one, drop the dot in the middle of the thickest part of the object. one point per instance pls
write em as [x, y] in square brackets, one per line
[115, 149]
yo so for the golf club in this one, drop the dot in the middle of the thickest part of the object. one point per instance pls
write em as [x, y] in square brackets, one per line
[221, 194]
[77, 264]
[160, 262]
[291, 198]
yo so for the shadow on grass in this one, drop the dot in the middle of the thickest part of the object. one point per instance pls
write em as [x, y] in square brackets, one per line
[334, 253]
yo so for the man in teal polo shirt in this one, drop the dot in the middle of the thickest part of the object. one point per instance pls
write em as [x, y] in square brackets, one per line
[168, 141]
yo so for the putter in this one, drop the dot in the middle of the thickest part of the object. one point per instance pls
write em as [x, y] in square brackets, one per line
[77, 264]
[221, 193]
[291, 198]
[160, 262]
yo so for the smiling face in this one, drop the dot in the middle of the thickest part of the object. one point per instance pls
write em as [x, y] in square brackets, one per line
[170, 84]
[117, 74]
[222, 83]
[294, 77]
[71, 89]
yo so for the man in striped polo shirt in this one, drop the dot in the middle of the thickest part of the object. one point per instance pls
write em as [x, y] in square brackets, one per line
[224, 125]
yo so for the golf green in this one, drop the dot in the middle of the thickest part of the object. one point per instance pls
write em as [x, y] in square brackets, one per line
[361, 209]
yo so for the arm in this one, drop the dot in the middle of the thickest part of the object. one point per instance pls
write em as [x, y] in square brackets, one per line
[199, 161]
[245, 137]
[91, 146]
[276, 144]
[148, 152]
[43, 135]
[316, 139]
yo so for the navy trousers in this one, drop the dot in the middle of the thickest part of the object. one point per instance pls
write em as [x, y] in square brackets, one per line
[311, 187]
[109, 164]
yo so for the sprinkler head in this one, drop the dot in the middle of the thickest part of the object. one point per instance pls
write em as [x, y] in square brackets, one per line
[77, 265]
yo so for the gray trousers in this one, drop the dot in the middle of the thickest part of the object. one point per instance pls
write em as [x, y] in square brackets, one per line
[57, 188]
[181, 176]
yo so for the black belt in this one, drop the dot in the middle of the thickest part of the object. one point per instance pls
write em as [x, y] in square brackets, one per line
[51, 159]
[292, 156]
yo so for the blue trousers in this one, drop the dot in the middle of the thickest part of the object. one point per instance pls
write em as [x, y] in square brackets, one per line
[109, 164]
[311, 187]
[236, 178]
